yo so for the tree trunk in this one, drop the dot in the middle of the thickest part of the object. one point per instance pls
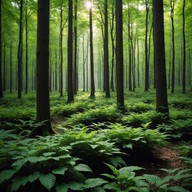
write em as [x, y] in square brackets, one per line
[173, 47]
[70, 53]
[106, 53]
[75, 80]
[130, 50]
[20, 50]
[113, 45]
[26, 51]
[43, 104]
[146, 47]
[184, 51]
[92, 95]
[159, 50]
[1, 76]
[11, 69]
[119, 54]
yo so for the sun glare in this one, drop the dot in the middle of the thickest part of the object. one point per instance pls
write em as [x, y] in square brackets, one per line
[89, 5]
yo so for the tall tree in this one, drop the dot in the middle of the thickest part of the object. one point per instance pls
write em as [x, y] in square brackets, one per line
[75, 79]
[119, 54]
[26, 46]
[43, 103]
[146, 46]
[159, 50]
[130, 49]
[106, 53]
[70, 52]
[184, 50]
[61, 50]
[20, 50]
[11, 69]
[172, 4]
[1, 76]
[92, 95]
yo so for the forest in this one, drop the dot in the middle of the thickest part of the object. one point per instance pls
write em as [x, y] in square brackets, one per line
[96, 95]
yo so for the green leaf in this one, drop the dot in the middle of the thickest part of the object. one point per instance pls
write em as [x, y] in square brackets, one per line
[76, 186]
[6, 175]
[83, 167]
[62, 188]
[47, 180]
[33, 159]
[95, 182]
[34, 177]
[178, 189]
[60, 171]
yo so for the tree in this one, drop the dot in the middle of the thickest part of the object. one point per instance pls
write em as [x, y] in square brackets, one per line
[184, 51]
[106, 53]
[70, 52]
[43, 104]
[146, 47]
[172, 4]
[159, 50]
[92, 95]
[119, 54]
[20, 50]
[1, 77]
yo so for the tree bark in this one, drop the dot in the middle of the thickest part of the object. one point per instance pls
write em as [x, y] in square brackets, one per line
[184, 51]
[119, 54]
[70, 53]
[106, 53]
[1, 76]
[43, 104]
[92, 95]
[159, 50]
[20, 50]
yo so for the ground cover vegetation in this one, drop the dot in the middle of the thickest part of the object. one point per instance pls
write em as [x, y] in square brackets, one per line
[98, 146]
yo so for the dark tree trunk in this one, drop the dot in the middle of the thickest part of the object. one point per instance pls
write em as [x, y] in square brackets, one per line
[119, 54]
[113, 45]
[4, 68]
[43, 104]
[146, 47]
[106, 53]
[70, 53]
[11, 69]
[130, 50]
[75, 80]
[159, 50]
[92, 95]
[184, 52]
[20, 50]
[26, 51]
[1, 76]
[61, 51]
[173, 47]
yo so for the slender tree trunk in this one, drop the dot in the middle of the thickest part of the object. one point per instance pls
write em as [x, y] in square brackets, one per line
[119, 54]
[1, 76]
[87, 66]
[106, 53]
[75, 80]
[11, 69]
[92, 95]
[20, 50]
[113, 45]
[43, 104]
[4, 67]
[70, 53]
[146, 47]
[61, 51]
[173, 47]
[26, 51]
[159, 49]
[138, 63]
[184, 52]
[130, 50]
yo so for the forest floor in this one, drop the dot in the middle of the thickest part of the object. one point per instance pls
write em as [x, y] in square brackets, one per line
[95, 134]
